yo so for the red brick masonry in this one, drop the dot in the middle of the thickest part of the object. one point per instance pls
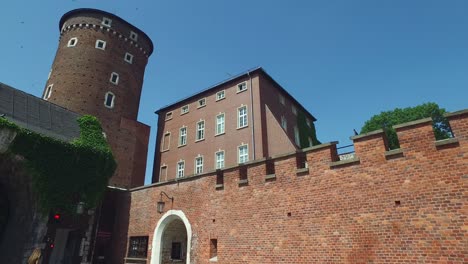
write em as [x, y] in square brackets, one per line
[402, 206]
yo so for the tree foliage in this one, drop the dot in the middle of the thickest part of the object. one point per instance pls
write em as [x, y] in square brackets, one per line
[385, 121]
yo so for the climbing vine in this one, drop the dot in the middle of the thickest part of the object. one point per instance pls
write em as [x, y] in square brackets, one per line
[306, 131]
[63, 173]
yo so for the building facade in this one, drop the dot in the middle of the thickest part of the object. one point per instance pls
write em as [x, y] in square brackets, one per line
[400, 206]
[98, 69]
[245, 118]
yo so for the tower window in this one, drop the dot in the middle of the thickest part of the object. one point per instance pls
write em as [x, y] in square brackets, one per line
[184, 109]
[106, 21]
[180, 169]
[109, 100]
[169, 115]
[182, 136]
[242, 117]
[220, 95]
[133, 36]
[72, 42]
[199, 165]
[284, 123]
[100, 44]
[243, 154]
[281, 99]
[128, 58]
[219, 124]
[200, 130]
[241, 87]
[48, 92]
[114, 78]
[201, 102]
[219, 156]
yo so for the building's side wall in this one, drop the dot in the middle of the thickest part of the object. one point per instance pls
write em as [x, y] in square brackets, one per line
[276, 139]
[403, 208]
[229, 141]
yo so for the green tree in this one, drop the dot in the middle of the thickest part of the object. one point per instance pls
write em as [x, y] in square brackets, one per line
[385, 121]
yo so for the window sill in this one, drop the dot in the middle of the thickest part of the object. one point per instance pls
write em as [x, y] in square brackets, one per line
[243, 182]
[241, 91]
[219, 186]
[270, 176]
[220, 134]
[164, 150]
[182, 145]
[220, 99]
[198, 140]
[447, 141]
[201, 106]
[242, 127]
[184, 113]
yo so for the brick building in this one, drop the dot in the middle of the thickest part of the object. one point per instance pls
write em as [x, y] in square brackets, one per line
[248, 117]
[407, 205]
[98, 69]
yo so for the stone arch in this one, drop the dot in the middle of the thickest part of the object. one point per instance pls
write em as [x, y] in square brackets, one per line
[166, 219]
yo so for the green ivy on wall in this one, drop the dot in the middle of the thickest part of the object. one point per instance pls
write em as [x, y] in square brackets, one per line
[305, 131]
[63, 173]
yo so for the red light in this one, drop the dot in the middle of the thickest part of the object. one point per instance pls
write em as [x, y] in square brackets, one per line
[51, 245]
[56, 216]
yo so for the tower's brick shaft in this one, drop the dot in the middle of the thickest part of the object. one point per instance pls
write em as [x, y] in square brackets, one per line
[98, 70]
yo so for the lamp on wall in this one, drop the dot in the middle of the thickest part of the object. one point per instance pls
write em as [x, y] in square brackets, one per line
[161, 203]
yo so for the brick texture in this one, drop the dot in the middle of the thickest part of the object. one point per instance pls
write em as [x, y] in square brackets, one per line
[409, 208]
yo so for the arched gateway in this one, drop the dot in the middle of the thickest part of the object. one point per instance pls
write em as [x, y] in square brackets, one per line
[172, 238]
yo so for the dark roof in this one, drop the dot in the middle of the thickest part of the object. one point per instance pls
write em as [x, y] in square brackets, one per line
[38, 115]
[236, 77]
[107, 14]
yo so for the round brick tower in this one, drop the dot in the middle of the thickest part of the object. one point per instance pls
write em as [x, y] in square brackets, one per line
[98, 70]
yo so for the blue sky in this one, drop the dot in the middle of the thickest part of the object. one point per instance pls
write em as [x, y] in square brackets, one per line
[343, 60]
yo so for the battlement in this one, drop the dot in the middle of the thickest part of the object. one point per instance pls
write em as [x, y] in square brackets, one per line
[416, 140]
[400, 206]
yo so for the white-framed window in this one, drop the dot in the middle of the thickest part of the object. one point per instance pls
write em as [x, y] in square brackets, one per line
[284, 123]
[184, 109]
[48, 92]
[220, 95]
[114, 78]
[242, 87]
[72, 42]
[243, 153]
[133, 36]
[308, 122]
[202, 102]
[166, 141]
[169, 115]
[128, 58]
[281, 99]
[163, 172]
[310, 142]
[296, 136]
[109, 99]
[199, 164]
[183, 136]
[294, 110]
[242, 117]
[200, 130]
[50, 73]
[100, 44]
[220, 124]
[106, 22]
[180, 169]
[219, 159]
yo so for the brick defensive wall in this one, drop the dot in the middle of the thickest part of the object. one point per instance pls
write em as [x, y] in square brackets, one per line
[400, 206]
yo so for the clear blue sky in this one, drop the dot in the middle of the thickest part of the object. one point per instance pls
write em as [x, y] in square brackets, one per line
[343, 60]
